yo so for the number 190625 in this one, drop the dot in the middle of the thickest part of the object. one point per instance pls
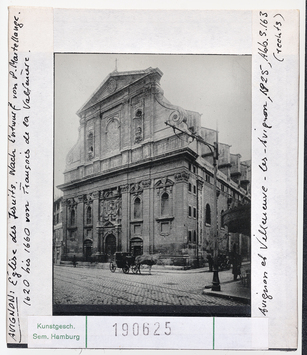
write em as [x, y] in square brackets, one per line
[137, 329]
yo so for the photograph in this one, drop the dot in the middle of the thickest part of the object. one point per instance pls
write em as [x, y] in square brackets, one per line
[152, 184]
[154, 177]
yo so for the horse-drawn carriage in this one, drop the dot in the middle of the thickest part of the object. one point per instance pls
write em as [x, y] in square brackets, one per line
[124, 261]
[127, 262]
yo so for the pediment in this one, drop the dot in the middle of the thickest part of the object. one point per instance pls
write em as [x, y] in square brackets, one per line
[164, 182]
[113, 83]
[109, 224]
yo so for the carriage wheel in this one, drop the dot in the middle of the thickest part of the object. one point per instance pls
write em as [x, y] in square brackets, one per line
[135, 268]
[126, 269]
[112, 266]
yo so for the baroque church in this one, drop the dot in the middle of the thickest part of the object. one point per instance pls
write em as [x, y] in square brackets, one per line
[136, 184]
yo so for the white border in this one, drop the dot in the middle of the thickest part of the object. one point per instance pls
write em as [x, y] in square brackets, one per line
[160, 5]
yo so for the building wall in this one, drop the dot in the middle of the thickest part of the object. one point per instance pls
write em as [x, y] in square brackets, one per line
[131, 184]
[57, 230]
[112, 201]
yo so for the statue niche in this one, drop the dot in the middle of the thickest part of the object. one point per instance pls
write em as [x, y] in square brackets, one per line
[138, 126]
[113, 135]
[90, 146]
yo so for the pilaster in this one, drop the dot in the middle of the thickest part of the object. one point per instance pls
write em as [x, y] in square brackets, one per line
[95, 219]
[97, 136]
[64, 224]
[125, 229]
[82, 139]
[200, 216]
[146, 215]
[181, 205]
[80, 221]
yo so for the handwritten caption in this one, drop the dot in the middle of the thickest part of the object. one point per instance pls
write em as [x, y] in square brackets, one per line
[270, 50]
[19, 181]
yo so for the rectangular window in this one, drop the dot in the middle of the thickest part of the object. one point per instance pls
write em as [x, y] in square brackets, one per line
[194, 212]
[89, 215]
[165, 227]
[72, 217]
[207, 178]
[73, 236]
[137, 229]
[190, 211]
[190, 236]
[194, 189]
[190, 187]
[165, 205]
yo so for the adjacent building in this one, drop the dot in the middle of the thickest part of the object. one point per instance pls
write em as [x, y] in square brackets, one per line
[57, 230]
[133, 183]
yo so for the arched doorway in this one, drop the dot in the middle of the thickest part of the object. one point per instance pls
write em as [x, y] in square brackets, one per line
[136, 246]
[110, 246]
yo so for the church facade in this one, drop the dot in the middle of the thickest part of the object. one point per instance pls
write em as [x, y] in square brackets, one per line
[133, 183]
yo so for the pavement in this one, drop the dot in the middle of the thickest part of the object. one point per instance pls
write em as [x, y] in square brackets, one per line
[233, 291]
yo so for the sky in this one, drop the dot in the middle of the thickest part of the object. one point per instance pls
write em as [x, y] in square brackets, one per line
[216, 86]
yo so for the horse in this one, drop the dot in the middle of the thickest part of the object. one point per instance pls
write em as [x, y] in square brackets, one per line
[146, 259]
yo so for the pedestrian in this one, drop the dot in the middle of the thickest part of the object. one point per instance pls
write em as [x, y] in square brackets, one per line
[210, 261]
[236, 263]
[74, 261]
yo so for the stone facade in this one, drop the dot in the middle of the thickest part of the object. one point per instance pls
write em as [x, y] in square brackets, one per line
[133, 184]
[57, 230]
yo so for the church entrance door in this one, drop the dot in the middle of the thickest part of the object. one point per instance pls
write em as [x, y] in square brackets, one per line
[110, 246]
[136, 246]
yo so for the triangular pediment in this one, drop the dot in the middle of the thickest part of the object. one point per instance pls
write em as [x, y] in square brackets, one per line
[113, 83]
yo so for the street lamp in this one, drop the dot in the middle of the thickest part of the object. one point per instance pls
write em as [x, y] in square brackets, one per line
[214, 149]
[216, 281]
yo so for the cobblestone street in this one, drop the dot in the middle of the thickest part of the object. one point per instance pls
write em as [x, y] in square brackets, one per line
[94, 286]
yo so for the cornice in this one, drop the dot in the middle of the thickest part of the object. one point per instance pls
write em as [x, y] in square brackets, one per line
[170, 156]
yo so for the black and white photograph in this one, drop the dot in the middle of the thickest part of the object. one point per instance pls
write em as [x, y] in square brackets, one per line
[154, 177]
[152, 184]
